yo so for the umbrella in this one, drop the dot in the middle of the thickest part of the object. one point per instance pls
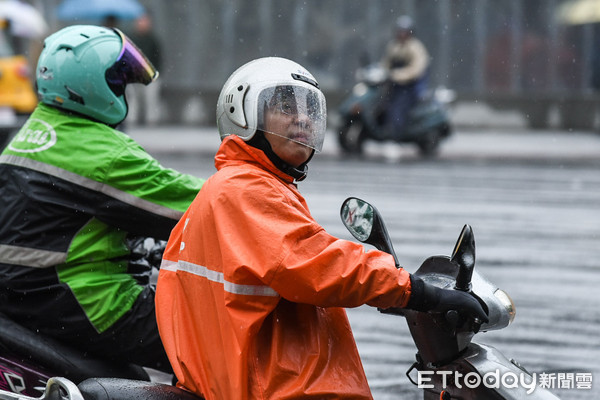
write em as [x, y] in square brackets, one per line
[579, 12]
[98, 9]
[25, 20]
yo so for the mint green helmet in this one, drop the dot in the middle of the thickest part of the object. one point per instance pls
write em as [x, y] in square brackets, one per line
[85, 68]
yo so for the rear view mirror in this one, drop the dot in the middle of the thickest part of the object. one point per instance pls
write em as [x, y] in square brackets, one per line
[358, 217]
[365, 223]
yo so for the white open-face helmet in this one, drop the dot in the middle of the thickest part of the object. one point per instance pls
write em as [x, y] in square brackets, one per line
[276, 84]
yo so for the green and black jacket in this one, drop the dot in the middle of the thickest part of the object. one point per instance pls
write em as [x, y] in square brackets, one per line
[71, 190]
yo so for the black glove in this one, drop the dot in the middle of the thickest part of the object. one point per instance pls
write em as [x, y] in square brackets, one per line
[426, 297]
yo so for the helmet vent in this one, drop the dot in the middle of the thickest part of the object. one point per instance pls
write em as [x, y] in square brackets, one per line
[74, 96]
[306, 79]
[234, 101]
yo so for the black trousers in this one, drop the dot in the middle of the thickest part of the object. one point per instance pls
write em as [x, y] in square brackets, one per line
[52, 310]
[134, 337]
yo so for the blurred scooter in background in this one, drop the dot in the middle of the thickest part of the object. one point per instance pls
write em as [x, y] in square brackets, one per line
[362, 116]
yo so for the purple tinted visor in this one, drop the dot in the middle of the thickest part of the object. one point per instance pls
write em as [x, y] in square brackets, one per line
[131, 66]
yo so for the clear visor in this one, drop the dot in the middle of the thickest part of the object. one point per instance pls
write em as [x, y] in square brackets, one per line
[131, 66]
[296, 113]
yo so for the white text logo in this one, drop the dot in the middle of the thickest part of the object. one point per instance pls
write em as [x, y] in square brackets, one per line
[30, 140]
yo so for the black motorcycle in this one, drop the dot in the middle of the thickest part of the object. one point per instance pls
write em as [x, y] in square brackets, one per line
[362, 116]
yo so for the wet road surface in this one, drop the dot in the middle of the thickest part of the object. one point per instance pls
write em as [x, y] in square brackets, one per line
[536, 219]
[537, 232]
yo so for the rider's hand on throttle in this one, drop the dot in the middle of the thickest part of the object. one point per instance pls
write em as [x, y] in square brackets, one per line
[463, 302]
[426, 297]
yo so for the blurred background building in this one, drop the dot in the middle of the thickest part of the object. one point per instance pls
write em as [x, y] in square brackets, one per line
[538, 57]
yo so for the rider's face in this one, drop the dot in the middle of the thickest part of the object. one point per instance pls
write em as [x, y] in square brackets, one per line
[294, 130]
[403, 35]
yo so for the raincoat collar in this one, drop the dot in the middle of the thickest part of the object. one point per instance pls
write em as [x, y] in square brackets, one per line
[234, 150]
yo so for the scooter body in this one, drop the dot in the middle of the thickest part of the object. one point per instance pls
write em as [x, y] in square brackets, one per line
[28, 360]
[449, 365]
[481, 372]
[448, 362]
[16, 377]
[33, 367]
[362, 116]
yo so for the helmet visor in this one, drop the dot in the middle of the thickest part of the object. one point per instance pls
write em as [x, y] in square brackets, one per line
[131, 66]
[297, 113]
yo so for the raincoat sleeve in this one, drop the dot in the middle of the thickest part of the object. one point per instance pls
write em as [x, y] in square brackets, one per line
[147, 199]
[340, 273]
[313, 267]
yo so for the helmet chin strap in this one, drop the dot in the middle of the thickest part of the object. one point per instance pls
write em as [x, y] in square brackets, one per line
[260, 142]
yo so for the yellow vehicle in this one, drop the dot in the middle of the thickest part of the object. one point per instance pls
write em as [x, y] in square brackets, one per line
[16, 90]
[17, 96]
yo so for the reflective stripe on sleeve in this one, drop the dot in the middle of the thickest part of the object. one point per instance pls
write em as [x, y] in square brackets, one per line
[91, 184]
[29, 257]
[218, 277]
[168, 265]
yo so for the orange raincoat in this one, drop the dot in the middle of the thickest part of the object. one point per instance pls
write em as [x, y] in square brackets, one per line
[250, 293]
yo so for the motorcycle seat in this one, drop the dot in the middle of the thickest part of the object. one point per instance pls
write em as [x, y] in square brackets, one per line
[125, 389]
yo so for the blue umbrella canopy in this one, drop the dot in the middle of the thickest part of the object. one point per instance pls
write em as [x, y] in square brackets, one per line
[98, 9]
